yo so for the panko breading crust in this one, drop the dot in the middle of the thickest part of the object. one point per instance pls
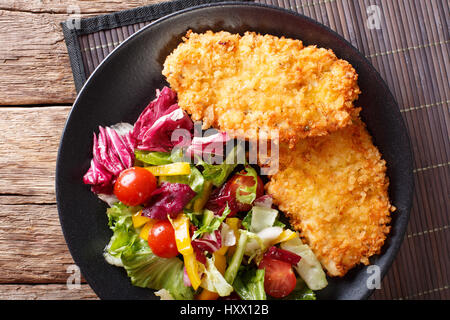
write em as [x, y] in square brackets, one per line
[334, 190]
[253, 84]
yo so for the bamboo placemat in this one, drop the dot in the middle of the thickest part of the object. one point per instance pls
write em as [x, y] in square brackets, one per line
[407, 41]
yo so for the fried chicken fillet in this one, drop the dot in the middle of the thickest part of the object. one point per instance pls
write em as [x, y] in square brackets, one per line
[254, 85]
[334, 190]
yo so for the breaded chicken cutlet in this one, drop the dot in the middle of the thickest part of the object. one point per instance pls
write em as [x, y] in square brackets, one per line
[334, 190]
[261, 85]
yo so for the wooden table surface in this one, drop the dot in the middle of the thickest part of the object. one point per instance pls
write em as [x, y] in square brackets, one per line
[36, 94]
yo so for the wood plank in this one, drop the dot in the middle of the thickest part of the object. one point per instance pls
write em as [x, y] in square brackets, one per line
[46, 292]
[32, 246]
[34, 64]
[63, 6]
[29, 140]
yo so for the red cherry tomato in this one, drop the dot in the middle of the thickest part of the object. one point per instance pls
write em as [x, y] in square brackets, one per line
[161, 239]
[134, 186]
[238, 181]
[279, 278]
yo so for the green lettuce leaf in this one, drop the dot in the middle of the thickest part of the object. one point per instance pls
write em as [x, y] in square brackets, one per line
[219, 173]
[156, 158]
[301, 292]
[145, 269]
[210, 222]
[120, 211]
[194, 217]
[249, 191]
[236, 259]
[278, 223]
[214, 281]
[249, 284]
[119, 221]
[247, 221]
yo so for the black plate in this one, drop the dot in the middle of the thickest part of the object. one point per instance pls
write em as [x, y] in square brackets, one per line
[126, 80]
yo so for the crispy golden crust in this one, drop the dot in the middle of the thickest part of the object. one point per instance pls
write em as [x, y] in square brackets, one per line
[253, 84]
[335, 192]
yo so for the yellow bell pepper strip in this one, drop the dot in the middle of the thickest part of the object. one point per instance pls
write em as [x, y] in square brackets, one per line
[235, 224]
[191, 264]
[201, 201]
[222, 251]
[220, 261]
[139, 220]
[172, 169]
[146, 229]
[184, 246]
[182, 235]
[286, 235]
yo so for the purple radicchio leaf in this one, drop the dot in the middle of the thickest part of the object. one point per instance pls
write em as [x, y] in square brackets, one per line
[283, 255]
[210, 242]
[154, 128]
[220, 198]
[99, 178]
[264, 201]
[160, 136]
[210, 145]
[168, 200]
[112, 153]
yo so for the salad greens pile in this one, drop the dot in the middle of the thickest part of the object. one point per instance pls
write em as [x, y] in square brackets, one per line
[127, 249]
[187, 226]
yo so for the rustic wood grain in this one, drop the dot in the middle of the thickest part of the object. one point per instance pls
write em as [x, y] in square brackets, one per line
[34, 64]
[46, 292]
[63, 6]
[35, 70]
[29, 140]
[32, 247]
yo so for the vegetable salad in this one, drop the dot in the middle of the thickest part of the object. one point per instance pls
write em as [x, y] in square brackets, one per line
[191, 227]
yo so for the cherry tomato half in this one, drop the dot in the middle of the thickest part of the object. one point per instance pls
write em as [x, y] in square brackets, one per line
[279, 278]
[239, 181]
[134, 186]
[161, 239]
